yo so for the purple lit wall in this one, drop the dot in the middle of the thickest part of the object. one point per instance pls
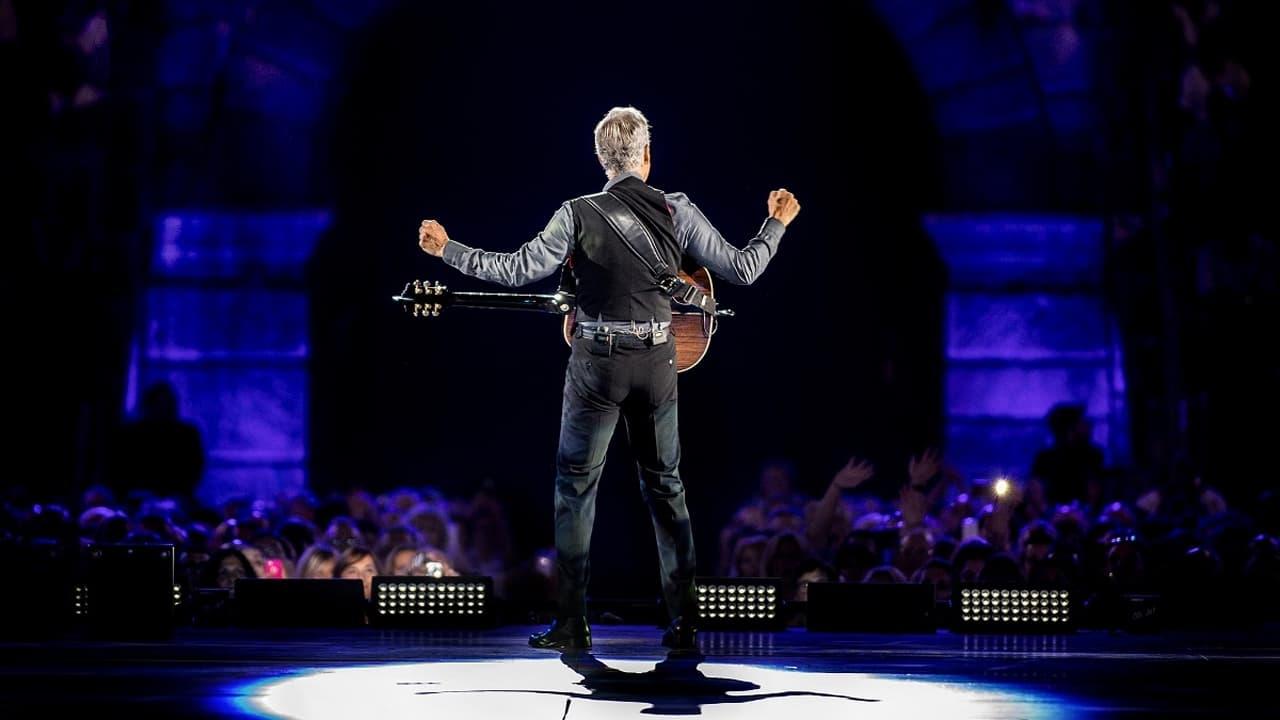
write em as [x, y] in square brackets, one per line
[1026, 327]
[226, 322]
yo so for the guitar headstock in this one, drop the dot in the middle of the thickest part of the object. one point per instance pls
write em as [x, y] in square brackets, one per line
[423, 299]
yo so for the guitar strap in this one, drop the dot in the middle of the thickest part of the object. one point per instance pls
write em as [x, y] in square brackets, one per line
[637, 239]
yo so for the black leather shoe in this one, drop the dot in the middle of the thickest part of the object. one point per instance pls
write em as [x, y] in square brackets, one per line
[681, 635]
[571, 633]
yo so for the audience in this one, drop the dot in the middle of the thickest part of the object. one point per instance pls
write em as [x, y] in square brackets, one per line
[940, 528]
[357, 563]
[317, 562]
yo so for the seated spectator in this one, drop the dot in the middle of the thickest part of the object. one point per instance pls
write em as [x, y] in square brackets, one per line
[854, 557]
[432, 562]
[253, 555]
[361, 507]
[411, 560]
[299, 533]
[358, 563]
[229, 531]
[277, 557]
[317, 562]
[1000, 569]
[1124, 566]
[944, 548]
[399, 560]
[343, 532]
[1071, 527]
[432, 528]
[748, 556]
[486, 546]
[938, 573]
[916, 549]
[748, 520]
[970, 559]
[884, 575]
[394, 537]
[95, 521]
[829, 520]
[301, 507]
[226, 567]
[786, 557]
[777, 481]
[816, 572]
[1036, 543]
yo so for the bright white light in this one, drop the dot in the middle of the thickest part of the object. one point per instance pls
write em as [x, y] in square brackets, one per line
[540, 687]
[1002, 487]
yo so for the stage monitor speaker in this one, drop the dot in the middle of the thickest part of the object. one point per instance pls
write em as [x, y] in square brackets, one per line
[126, 590]
[855, 607]
[262, 602]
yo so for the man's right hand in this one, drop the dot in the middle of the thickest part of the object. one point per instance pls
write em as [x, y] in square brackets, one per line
[783, 206]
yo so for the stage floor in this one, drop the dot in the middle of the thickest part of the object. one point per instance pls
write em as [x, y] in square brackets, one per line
[793, 674]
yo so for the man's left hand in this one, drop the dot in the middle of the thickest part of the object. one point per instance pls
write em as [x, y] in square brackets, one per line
[432, 238]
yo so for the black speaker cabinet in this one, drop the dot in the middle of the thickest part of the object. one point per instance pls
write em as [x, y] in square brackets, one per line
[126, 590]
[300, 603]
[853, 607]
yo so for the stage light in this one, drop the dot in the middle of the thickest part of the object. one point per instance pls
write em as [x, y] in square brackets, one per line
[739, 603]
[1014, 609]
[431, 601]
[1001, 487]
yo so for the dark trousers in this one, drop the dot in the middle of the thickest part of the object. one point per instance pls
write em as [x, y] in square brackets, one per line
[638, 382]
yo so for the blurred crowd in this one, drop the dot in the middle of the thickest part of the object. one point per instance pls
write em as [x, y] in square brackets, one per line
[356, 535]
[1064, 524]
[1061, 525]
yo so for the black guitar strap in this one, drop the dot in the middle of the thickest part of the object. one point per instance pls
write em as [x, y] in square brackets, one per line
[637, 239]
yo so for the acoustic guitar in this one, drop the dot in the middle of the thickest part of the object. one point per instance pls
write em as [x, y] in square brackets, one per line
[692, 330]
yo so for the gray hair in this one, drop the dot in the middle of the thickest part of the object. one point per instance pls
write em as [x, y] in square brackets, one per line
[620, 140]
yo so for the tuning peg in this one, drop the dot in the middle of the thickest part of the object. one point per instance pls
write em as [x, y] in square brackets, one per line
[435, 310]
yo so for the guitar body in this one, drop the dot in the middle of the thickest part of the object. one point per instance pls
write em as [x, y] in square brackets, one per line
[691, 331]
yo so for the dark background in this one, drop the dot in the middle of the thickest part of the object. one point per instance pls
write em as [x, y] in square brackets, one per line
[480, 115]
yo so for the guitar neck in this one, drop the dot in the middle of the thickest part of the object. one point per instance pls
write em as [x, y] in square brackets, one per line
[558, 304]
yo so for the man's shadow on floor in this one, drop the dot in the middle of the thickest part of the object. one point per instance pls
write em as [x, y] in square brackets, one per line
[675, 686]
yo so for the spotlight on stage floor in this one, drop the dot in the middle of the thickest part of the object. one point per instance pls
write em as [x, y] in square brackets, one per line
[988, 608]
[739, 603]
[126, 591]
[854, 607]
[416, 601]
